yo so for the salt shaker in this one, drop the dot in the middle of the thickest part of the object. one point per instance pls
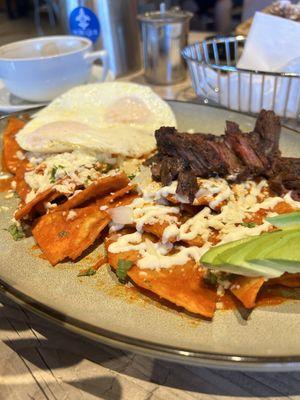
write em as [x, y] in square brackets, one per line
[164, 34]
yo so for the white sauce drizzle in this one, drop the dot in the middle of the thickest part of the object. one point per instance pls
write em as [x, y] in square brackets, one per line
[155, 255]
[241, 201]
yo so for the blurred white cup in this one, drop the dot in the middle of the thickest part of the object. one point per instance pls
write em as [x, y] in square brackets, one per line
[42, 68]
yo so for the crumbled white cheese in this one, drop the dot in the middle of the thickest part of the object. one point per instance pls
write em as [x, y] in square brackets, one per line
[219, 305]
[242, 201]
[143, 273]
[49, 205]
[10, 194]
[72, 214]
[16, 222]
[65, 172]
[148, 213]
[20, 155]
[235, 287]
[13, 185]
[155, 255]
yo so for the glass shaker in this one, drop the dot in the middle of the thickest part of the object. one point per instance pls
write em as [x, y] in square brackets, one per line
[164, 35]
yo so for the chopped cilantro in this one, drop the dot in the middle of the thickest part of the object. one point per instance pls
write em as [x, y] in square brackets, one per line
[16, 232]
[87, 272]
[249, 224]
[132, 176]
[63, 234]
[107, 168]
[103, 167]
[53, 172]
[88, 180]
[210, 278]
[123, 267]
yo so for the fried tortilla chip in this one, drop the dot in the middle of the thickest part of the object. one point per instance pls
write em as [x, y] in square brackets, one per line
[199, 201]
[90, 271]
[197, 241]
[21, 186]
[124, 201]
[111, 199]
[10, 159]
[62, 235]
[182, 285]
[157, 230]
[100, 188]
[246, 289]
[28, 207]
[288, 280]
[41, 208]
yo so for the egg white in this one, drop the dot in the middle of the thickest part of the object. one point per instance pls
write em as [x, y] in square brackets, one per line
[114, 117]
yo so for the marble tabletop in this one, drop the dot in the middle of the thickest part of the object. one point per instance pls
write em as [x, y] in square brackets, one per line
[39, 360]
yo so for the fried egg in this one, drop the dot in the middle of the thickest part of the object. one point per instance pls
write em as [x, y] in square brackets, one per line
[117, 118]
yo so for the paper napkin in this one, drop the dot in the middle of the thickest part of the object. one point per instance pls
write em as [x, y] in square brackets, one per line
[273, 45]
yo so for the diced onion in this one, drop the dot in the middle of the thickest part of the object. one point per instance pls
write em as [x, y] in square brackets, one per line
[151, 248]
[121, 215]
[144, 178]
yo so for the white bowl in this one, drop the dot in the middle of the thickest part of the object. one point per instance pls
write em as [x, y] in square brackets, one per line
[42, 68]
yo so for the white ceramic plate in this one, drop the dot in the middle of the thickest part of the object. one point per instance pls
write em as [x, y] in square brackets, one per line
[103, 309]
[10, 103]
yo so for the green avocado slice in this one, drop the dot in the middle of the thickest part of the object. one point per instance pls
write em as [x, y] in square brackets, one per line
[280, 265]
[210, 256]
[289, 220]
[268, 255]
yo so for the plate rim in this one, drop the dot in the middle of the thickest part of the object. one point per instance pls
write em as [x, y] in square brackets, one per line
[148, 348]
[170, 353]
[28, 106]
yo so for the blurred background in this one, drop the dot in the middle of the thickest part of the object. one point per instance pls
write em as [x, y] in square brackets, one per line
[21, 19]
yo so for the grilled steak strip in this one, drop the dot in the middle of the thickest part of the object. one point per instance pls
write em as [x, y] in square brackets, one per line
[200, 152]
[235, 155]
[268, 127]
[187, 185]
[169, 169]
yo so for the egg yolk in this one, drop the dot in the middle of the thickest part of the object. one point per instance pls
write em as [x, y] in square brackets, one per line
[127, 110]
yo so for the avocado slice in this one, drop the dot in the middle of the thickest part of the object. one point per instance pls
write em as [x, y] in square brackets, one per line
[289, 220]
[269, 255]
[267, 246]
[217, 258]
[283, 245]
[210, 256]
[280, 265]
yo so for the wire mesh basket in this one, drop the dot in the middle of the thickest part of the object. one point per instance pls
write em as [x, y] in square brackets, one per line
[212, 66]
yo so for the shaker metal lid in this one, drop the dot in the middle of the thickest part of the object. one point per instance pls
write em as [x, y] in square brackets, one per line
[165, 16]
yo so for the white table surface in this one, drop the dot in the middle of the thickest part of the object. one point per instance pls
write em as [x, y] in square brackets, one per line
[39, 360]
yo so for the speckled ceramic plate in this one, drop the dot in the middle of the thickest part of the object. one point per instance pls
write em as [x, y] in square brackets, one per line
[101, 308]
